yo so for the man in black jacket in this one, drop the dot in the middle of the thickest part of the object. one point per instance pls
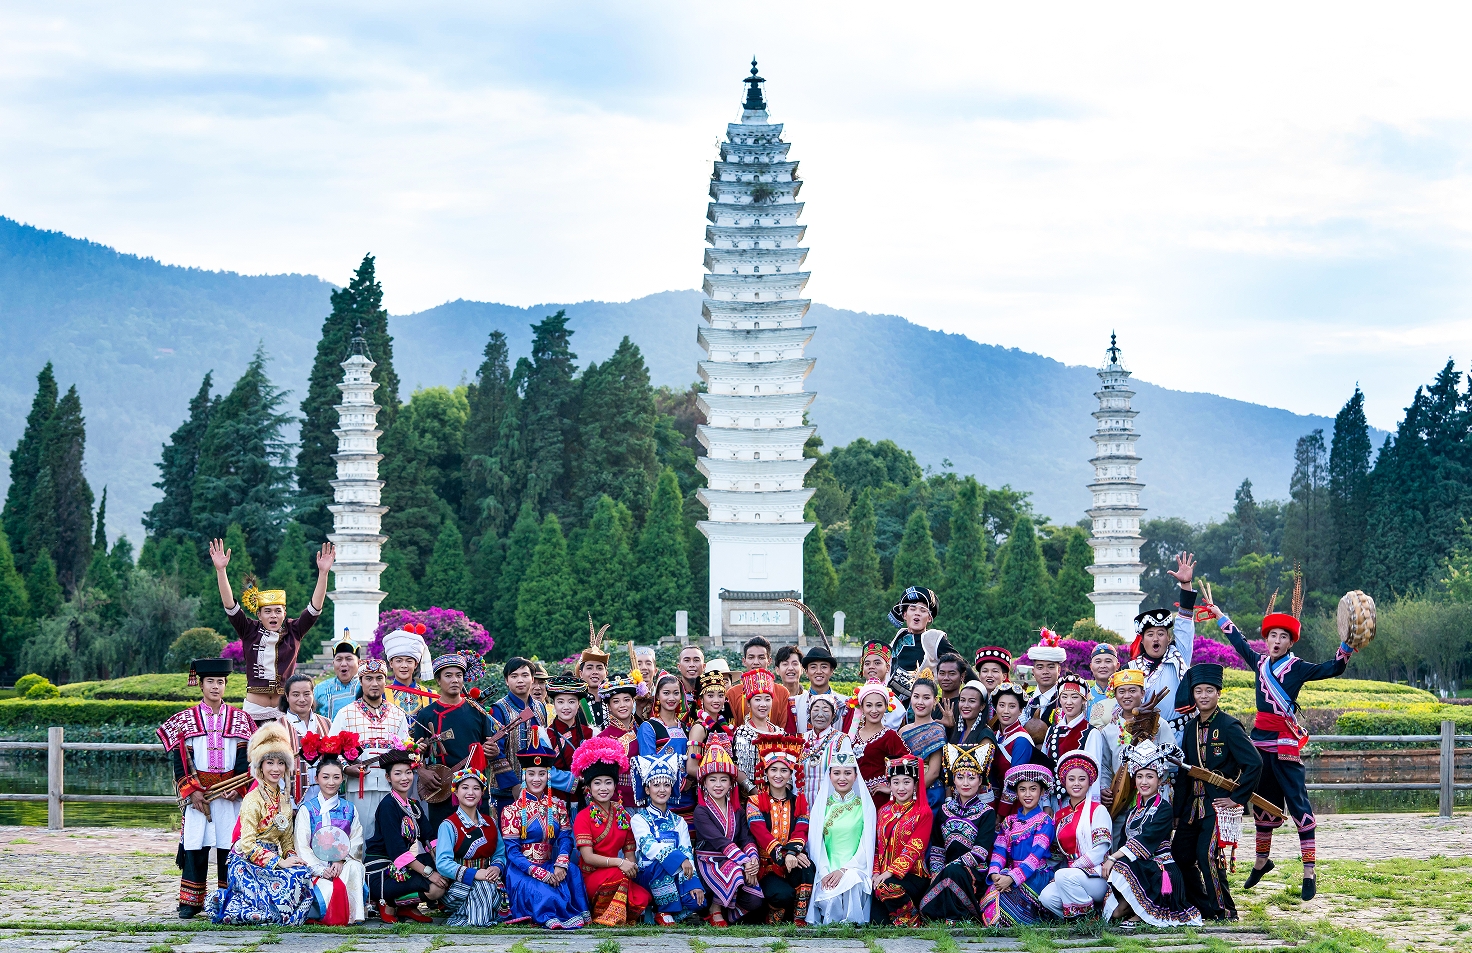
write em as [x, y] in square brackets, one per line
[1214, 740]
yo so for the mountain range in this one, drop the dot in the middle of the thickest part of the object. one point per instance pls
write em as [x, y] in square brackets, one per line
[136, 336]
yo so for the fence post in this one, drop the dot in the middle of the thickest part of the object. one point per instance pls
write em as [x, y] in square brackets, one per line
[55, 818]
[1448, 766]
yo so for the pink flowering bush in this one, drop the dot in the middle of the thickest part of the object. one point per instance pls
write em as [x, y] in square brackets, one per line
[234, 651]
[450, 630]
[1205, 649]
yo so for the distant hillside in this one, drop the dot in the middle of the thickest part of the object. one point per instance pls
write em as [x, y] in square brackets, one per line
[136, 336]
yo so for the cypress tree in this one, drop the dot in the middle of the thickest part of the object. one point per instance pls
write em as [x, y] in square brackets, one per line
[520, 545]
[550, 395]
[242, 476]
[25, 465]
[1307, 534]
[99, 533]
[42, 590]
[482, 508]
[602, 567]
[361, 302]
[447, 577]
[1021, 595]
[400, 589]
[1072, 586]
[59, 519]
[415, 510]
[15, 608]
[662, 572]
[103, 582]
[915, 564]
[1398, 558]
[860, 582]
[964, 596]
[178, 468]
[1349, 491]
[819, 578]
[211, 613]
[547, 622]
[616, 446]
[485, 579]
[1249, 538]
[295, 570]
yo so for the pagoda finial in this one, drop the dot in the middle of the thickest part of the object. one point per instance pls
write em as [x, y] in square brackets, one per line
[360, 343]
[754, 99]
[1113, 349]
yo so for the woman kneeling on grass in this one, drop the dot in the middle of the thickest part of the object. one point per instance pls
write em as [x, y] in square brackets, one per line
[604, 835]
[1142, 872]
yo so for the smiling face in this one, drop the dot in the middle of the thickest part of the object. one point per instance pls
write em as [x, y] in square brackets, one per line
[670, 697]
[1147, 782]
[403, 667]
[601, 789]
[621, 706]
[874, 708]
[842, 779]
[761, 706]
[401, 778]
[1046, 674]
[535, 780]
[790, 671]
[779, 775]
[1130, 697]
[970, 703]
[468, 793]
[875, 668]
[594, 673]
[922, 701]
[1028, 794]
[991, 674]
[820, 716]
[566, 707]
[1071, 701]
[299, 698]
[329, 779]
[691, 664]
[273, 767]
[901, 787]
[1076, 783]
[519, 682]
[717, 785]
[713, 701]
[645, 664]
[1008, 709]
[1206, 697]
[1102, 666]
[948, 675]
[659, 791]
[819, 674]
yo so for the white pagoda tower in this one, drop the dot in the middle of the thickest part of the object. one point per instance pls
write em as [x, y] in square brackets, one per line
[1116, 511]
[356, 513]
[754, 339]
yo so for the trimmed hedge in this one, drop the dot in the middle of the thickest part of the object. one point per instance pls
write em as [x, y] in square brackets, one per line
[1411, 720]
[164, 687]
[25, 713]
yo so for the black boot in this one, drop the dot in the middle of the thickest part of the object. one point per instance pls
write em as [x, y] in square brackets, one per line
[1257, 874]
[187, 912]
[1310, 887]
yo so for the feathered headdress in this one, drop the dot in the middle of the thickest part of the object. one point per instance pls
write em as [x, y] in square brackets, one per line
[594, 652]
[1284, 620]
[254, 597]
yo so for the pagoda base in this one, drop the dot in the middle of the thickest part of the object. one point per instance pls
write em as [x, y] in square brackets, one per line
[751, 557]
[355, 614]
[1116, 611]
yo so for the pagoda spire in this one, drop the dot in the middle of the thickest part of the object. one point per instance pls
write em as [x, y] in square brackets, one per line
[755, 102]
[1116, 513]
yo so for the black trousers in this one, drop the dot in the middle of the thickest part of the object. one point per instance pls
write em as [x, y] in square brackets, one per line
[383, 885]
[194, 872]
[1199, 860]
[883, 911]
[781, 891]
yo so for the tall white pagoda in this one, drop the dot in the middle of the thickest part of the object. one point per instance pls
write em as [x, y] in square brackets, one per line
[356, 513]
[754, 339]
[1116, 511]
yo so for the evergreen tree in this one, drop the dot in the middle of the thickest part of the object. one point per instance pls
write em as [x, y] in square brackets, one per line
[1072, 586]
[662, 568]
[361, 302]
[43, 592]
[915, 564]
[482, 509]
[106, 589]
[485, 579]
[547, 622]
[59, 518]
[15, 609]
[550, 396]
[400, 589]
[1021, 595]
[178, 468]
[520, 545]
[211, 612]
[1307, 534]
[25, 465]
[447, 578]
[295, 569]
[415, 510]
[1349, 492]
[968, 575]
[1250, 536]
[1398, 559]
[242, 476]
[616, 445]
[819, 578]
[99, 532]
[860, 582]
[603, 566]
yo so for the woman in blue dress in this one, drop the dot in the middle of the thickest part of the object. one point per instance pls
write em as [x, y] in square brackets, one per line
[1022, 857]
[664, 731]
[544, 883]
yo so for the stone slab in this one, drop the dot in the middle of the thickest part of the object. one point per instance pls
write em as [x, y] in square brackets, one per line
[906, 945]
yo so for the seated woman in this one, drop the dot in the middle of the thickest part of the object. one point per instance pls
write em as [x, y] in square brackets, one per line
[903, 835]
[400, 869]
[665, 856]
[841, 831]
[874, 743]
[725, 852]
[470, 854]
[778, 818]
[962, 837]
[1142, 871]
[709, 725]
[1022, 857]
[546, 888]
[267, 882]
[604, 835]
[757, 687]
[1083, 829]
[329, 838]
[926, 739]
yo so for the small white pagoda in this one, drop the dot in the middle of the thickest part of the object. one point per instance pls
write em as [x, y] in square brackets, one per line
[1116, 511]
[356, 513]
[754, 339]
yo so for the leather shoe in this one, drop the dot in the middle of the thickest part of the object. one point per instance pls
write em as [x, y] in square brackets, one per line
[1257, 874]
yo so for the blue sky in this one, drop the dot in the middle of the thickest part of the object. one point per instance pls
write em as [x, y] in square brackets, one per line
[1268, 202]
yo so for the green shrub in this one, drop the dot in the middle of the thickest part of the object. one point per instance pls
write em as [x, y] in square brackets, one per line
[161, 688]
[25, 713]
[1410, 720]
[42, 689]
[24, 683]
[78, 689]
[199, 642]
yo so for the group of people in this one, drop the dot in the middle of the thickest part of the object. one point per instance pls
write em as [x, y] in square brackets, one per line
[938, 790]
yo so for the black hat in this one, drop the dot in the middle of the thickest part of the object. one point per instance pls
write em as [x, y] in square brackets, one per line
[1202, 673]
[819, 653]
[209, 668]
[1153, 618]
[396, 756]
[345, 645]
[914, 595]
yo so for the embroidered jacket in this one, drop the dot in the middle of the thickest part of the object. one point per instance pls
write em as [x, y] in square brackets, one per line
[1024, 845]
[1166, 674]
[965, 831]
[780, 829]
[1278, 684]
[230, 728]
[270, 657]
[902, 835]
[1219, 744]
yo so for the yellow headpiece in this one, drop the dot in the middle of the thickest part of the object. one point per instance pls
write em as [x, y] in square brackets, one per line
[253, 598]
[1126, 676]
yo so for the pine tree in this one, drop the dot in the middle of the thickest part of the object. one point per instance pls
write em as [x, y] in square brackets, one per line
[1307, 534]
[603, 566]
[361, 302]
[42, 590]
[662, 568]
[179, 466]
[59, 518]
[1071, 588]
[819, 578]
[485, 577]
[99, 526]
[242, 475]
[968, 575]
[25, 465]
[400, 589]
[547, 412]
[520, 545]
[15, 609]
[616, 447]
[1398, 559]
[1249, 535]
[860, 582]
[1021, 595]
[447, 577]
[1349, 492]
[295, 570]
[482, 509]
[915, 564]
[415, 511]
[547, 622]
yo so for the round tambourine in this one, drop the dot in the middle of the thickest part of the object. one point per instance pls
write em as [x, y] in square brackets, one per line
[331, 844]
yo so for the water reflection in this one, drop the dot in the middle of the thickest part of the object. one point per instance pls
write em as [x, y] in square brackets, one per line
[144, 773]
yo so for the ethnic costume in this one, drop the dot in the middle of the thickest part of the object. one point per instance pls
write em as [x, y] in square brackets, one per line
[521, 716]
[662, 840]
[205, 748]
[593, 708]
[841, 833]
[458, 737]
[1024, 851]
[327, 832]
[613, 898]
[261, 889]
[1014, 747]
[780, 828]
[962, 836]
[911, 651]
[379, 730]
[1220, 745]
[1279, 738]
[332, 696]
[408, 642]
[1145, 874]
[1163, 675]
[747, 739]
[809, 775]
[626, 738]
[397, 842]
[1083, 833]
[269, 657]
[539, 840]
[924, 740]
[875, 752]
[901, 838]
[723, 841]
[655, 738]
[1075, 734]
[466, 844]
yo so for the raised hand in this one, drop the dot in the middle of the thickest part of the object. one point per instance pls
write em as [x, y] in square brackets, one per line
[1185, 569]
[325, 558]
[219, 555]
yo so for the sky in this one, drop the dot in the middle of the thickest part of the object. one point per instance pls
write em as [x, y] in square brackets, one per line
[1266, 201]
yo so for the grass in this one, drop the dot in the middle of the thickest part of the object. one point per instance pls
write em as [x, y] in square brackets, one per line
[160, 948]
[608, 945]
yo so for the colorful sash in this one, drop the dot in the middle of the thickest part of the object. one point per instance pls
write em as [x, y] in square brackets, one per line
[1291, 735]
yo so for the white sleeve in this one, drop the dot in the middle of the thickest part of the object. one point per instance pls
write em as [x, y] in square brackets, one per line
[304, 844]
[356, 846]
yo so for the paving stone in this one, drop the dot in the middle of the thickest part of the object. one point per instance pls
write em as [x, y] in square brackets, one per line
[906, 945]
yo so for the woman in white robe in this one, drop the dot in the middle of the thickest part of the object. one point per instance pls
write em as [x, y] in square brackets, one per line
[841, 827]
[329, 839]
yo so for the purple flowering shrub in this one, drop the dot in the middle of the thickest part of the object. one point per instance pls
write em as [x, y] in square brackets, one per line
[234, 651]
[450, 630]
[1204, 649]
